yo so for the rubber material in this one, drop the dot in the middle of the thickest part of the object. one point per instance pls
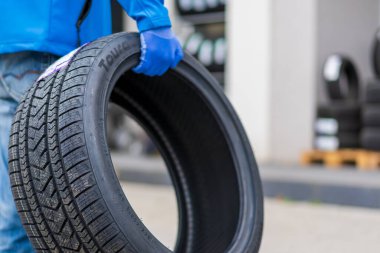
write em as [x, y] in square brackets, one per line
[370, 139]
[371, 115]
[211, 52]
[193, 43]
[372, 92]
[339, 141]
[62, 176]
[337, 117]
[342, 111]
[332, 126]
[191, 7]
[376, 54]
[341, 78]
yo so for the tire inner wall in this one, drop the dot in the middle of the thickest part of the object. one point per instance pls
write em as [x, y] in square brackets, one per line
[206, 165]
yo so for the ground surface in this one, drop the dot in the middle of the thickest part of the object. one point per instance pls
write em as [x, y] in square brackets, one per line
[289, 226]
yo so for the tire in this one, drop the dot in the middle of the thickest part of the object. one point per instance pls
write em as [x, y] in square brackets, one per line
[372, 92]
[370, 139]
[63, 181]
[209, 51]
[200, 6]
[341, 78]
[206, 53]
[185, 5]
[220, 54]
[337, 117]
[341, 111]
[212, 4]
[193, 44]
[339, 141]
[376, 54]
[371, 116]
[332, 126]
[195, 7]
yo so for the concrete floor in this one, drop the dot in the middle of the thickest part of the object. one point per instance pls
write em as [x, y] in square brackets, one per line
[292, 227]
[346, 186]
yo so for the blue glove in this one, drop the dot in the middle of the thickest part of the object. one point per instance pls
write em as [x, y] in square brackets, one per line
[160, 50]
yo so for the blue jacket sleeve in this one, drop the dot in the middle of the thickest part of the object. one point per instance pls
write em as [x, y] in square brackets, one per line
[149, 14]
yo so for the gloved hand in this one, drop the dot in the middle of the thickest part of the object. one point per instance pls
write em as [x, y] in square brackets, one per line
[160, 50]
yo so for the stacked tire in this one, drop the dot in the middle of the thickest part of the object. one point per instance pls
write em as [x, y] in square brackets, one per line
[207, 43]
[337, 124]
[192, 7]
[211, 52]
[370, 136]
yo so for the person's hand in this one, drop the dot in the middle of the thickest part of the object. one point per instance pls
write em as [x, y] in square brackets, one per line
[160, 50]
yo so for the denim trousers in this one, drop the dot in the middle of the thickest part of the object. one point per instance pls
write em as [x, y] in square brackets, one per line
[18, 71]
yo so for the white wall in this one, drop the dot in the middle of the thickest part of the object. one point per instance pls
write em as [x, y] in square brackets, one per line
[248, 77]
[271, 74]
[277, 50]
[293, 78]
[170, 5]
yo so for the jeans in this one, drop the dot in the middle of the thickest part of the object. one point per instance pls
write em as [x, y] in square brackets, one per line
[18, 71]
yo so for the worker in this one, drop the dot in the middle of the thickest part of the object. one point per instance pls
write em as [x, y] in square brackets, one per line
[35, 33]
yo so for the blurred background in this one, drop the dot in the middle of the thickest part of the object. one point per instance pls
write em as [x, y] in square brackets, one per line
[319, 155]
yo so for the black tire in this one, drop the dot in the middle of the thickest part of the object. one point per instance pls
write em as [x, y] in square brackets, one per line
[210, 52]
[341, 78]
[190, 7]
[63, 181]
[206, 53]
[185, 7]
[340, 111]
[371, 115]
[193, 44]
[370, 139]
[337, 117]
[332, 126]
[376, 54]
[372, 92]
[220, 54]
[340, 141]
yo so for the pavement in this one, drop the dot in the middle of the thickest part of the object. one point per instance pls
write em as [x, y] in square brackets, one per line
[346, 186]
[307, 210]
[294, 227]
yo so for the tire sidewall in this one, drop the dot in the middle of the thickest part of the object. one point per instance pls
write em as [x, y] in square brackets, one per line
[99, 85]
[95, 108]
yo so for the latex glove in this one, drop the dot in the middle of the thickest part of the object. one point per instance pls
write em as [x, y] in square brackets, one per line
[160, 50]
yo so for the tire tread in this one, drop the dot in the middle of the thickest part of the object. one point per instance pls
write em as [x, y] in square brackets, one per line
[52, 181]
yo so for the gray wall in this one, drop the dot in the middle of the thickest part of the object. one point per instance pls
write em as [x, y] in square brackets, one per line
[347, 27]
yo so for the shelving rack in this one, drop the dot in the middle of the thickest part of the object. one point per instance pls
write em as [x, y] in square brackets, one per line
[210, 23]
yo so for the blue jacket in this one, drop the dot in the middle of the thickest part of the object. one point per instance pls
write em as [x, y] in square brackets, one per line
[50, 25]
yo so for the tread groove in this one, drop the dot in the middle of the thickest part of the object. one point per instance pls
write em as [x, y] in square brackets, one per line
[54, 186]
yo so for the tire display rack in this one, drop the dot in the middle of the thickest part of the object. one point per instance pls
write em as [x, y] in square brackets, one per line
[337, 125]
[208, 42]
[370, 134]
[347, 127]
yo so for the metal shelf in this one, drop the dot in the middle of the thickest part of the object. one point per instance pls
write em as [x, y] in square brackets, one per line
[219, 76]
[205, 18]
